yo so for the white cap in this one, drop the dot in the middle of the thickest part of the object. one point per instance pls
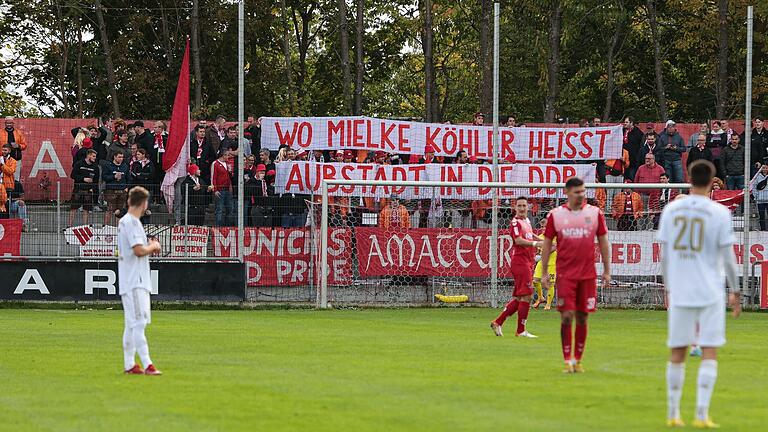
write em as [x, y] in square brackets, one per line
[670, 123]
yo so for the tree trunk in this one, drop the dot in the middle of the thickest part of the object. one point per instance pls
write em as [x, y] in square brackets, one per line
[107, 58]
[360, 64]
[303, 40]
[553, 60]
[722, 59]
[287, 55]
[79, 71]
[657, 60]
[195, 24]
[346, 84]
[430, 86]
[63, 61]
[167, 41]
[610, 86]
[486, 56]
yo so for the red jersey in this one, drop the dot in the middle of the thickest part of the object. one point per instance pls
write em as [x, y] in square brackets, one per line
[522, 255]
[575, 232]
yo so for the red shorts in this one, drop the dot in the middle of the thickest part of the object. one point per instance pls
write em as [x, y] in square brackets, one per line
[578, 295]
[523, 279]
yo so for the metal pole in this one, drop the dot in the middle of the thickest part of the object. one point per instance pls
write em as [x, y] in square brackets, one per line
[747, 151]
[58, 218]
[241, 125]
[494, 252]
[186, 220]
[323, 300]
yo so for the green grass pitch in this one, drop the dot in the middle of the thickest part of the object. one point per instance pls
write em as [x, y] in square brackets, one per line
[358, 370]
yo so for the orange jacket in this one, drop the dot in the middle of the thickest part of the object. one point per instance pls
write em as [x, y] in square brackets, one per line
[601, 198]
[618, 164]
[480, 208]
[620, 199]
[3, 198]
[8, 168]
[17, 136]
[385, 217]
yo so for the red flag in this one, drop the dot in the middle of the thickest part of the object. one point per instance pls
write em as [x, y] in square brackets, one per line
[177, 151]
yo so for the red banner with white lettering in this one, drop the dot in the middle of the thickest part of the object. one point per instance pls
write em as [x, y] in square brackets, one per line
[404, 137]
[429, 252]
[282, 256]
[10, 237]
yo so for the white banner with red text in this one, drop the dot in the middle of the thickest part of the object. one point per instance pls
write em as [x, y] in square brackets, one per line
[306, 178]
[282, 256]
[404, 137]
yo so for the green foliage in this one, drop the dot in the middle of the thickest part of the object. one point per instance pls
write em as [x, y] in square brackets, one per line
[42, 41]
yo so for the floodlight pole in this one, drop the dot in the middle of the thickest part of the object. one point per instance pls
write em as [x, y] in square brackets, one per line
[747, 152]
[240, 130]
[494, 252]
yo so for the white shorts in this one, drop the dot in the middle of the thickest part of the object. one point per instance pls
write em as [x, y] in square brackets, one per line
[136, 308]
[703, 326]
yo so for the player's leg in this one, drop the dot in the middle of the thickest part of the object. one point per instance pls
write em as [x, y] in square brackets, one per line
[681, 332]
[129, 349]
[142, 304]
[711, 337]
[510, 308]
[566, 305]
[524, 293]
[551, 291]
[586, 303]
[537, 285]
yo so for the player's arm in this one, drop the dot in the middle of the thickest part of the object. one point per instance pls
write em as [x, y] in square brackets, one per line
[523, 242]
[732, 277]
[546, 250]
[141, 250]
[605, 253]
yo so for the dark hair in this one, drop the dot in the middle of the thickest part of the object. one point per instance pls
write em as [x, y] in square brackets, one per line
[142, 151]
[90, 152]
[718, 122]
[117, 154]
[121, 132]
[138, 123]
[137, 196]
[220, 117]
[8, 146]
[701, 173]
[458, 155]
[521, 198]
[232, 129]
[758, 118]
[573, 182]
[630, 118]
[199, 127]
[663, 175]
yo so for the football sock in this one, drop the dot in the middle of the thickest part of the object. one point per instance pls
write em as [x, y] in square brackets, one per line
[581, 340]
[704, 387]
[550, 293]
[509, 309]
[566, 339]
[522, 315]
[129, 349]
[539, 292]
[140, 341]
[675, 380]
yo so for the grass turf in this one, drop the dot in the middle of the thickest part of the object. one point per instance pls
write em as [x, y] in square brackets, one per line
[412, 369]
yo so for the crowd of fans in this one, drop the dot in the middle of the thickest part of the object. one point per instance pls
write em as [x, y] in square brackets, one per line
[111, 157]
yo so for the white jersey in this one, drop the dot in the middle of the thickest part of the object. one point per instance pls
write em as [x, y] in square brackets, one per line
[133, 271]
[693, 230]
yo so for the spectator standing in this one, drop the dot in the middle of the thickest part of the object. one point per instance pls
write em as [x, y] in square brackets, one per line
[694, 138]
[120, 146]
[700, 150]
[649, 172]
[79, 155]
[159, 142]
[230, 139]
[511, 122]
[264, 159]
[115, 176]
[633, 141]
[478, 119]
[759, 149]
[651, 145]
[221, 186]
[8, 165]
[673, 147]
[716, 141]
[732, 164]
[142, 171]
[17, 142]
[659, 199]
[216, 133]
[18, 208]
[143, 137]
[85, 173]
[627, 209]
[759, 187]
[262, 212]
[195, 187]
[201, 152]
[254, 128]
[394, 215]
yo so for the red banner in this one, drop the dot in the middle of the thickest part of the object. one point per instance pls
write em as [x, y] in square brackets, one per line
[430, 252]
[764, 286]
[282, 256]
[10, 237]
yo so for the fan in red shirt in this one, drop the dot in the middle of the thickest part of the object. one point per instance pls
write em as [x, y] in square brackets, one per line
[575, 225]
[523, 259]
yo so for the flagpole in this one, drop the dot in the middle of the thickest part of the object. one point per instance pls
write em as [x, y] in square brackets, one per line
[240, 128]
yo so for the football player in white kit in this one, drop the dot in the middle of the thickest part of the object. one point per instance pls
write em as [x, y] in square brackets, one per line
[697, 259]
[135, 282]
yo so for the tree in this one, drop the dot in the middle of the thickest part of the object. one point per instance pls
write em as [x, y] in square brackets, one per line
[195, 48]
[722, 58]
[430, 85]
[344, 54]
[359, 60]
[107, 59]
[657, 60]
[553, 60]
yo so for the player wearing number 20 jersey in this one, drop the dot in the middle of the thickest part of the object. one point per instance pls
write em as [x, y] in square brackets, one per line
[697, 258]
